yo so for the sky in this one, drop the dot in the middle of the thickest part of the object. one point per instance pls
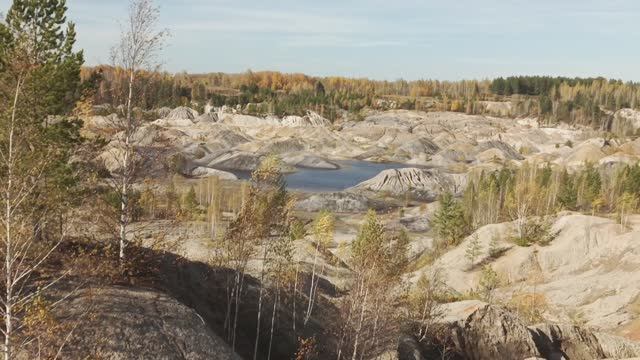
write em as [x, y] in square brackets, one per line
[382, 39]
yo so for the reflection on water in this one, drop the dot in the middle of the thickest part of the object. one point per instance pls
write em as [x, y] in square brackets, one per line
[351, 173]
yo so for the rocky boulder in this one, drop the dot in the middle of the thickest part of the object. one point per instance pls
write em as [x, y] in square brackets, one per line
[127, 323]
[418, 223]
[475, 330]
[182, 113]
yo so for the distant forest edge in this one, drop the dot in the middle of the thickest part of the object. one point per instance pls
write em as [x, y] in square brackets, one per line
[586, 101]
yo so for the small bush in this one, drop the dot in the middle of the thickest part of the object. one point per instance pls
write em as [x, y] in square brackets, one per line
[529, 306]
[536, 231]
[297, 230]
[489, 281]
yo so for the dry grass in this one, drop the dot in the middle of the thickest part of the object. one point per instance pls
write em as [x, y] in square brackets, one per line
[529, 306]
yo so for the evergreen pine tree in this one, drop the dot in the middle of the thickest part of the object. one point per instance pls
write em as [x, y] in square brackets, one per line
[172, 200]
[37, 53]
[473, 250]
[56, 77]
[190, 203]
[368, 242]
[590, 185]
[567, 195]
[449, 221]
[494, 246]
[489, 281]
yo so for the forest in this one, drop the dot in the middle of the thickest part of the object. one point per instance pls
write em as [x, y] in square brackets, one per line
[570, 100]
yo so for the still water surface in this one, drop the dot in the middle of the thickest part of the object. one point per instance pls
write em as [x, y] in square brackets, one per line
[351, 173]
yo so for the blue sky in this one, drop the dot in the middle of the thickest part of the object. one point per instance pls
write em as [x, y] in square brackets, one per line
[383, 39]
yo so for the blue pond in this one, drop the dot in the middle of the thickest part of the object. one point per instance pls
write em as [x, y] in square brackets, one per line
[351, 173]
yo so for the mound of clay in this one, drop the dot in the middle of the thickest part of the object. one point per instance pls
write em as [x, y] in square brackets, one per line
[181, 113]
[425, 184]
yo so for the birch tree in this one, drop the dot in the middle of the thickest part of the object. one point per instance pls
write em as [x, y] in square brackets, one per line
[521, 198]
[369, 311]
[424, 302]
[138, 47]
[323, 230]
[262, 223]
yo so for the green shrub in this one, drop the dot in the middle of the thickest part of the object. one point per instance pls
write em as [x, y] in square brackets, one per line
[297, 230]
[449, 221]
[489, 281]
[536, 231]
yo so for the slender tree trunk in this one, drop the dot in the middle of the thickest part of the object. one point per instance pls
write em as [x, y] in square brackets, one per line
[236, 286]
[273, 319]
[343, 332]
[374, 333]
[8, 219]
[314, 291]
[363, 307]
[240, 283]
[295, 294]
[257, 342]
[126, 171]
[227, 317]
[313, 279]
[9, 285]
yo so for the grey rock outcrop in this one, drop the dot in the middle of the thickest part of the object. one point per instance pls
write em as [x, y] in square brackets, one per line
[416, 223]
[206, 118]
[181, 113]
[130, 323]
[476, 330]
[242, 161]
[480, 331]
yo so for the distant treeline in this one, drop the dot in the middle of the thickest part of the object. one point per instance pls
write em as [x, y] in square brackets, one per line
[554, 99]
